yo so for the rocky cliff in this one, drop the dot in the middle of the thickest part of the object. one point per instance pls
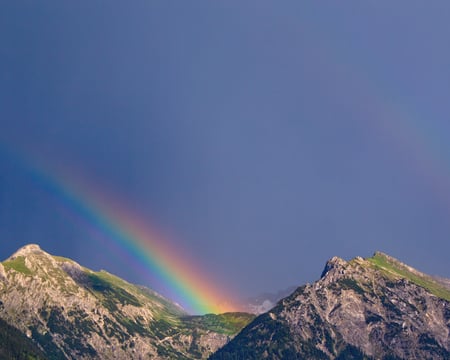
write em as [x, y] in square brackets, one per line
[375, 308]
[14, 345]
[71, 312]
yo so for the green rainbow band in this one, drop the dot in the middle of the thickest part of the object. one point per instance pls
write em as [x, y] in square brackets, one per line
[127, 232]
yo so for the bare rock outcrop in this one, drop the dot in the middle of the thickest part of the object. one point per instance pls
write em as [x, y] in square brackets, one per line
[375, 308]
[72, 312]
[2, 273]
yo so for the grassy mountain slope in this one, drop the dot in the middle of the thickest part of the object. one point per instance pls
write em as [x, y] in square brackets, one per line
[375, 308]
[396, 269]
[75, 313]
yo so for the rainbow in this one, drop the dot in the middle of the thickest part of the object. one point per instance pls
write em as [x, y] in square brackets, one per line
[395, 124]
[119, 228]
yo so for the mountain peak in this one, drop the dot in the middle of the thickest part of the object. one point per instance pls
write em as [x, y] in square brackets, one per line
[386, 260]
[73, 312]
[334, 265]
[27, 250]
[380, 254]
[373, 308]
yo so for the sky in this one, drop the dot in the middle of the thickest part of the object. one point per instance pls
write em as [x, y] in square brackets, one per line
[260, 137]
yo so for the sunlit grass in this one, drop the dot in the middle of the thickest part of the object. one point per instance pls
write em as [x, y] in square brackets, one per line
[228, 323]
[396, 269]
[17, 264]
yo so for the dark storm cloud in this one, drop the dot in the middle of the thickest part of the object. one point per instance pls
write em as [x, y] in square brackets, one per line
[246, 129]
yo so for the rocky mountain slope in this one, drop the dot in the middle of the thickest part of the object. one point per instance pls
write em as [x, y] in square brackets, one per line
[15, 346]
[375, 308]
[71, 312]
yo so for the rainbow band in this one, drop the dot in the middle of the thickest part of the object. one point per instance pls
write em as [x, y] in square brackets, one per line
[119, 227]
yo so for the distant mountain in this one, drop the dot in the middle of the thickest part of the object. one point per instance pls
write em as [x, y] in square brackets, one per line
[262, 303]
[375, 308]
[70, 312]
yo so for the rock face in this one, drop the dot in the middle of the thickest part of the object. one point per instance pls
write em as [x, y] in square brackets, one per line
[375, 308]
[71, 312]
[15, 345]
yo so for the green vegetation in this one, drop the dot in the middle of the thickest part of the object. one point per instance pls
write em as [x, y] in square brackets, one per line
[57, 323]
[112, 293]
[170, 353]
[46, 341]
[15, 345]
[351, 284]
[228, 323]
[351, 352]
[111, 279]
[169, 310]
[17, 264]
[393, 268]
[113, 290]
[64, 328]
[161, 328]
[132, 327]
[62, 259]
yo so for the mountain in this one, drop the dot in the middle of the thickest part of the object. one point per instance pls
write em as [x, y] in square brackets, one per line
[375, 308]
[71, 312]
[16, 346]
[263, 302]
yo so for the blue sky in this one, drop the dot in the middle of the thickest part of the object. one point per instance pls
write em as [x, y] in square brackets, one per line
[265, 136]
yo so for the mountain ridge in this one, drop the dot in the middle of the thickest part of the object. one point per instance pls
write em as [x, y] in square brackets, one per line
[72, 312]
[374, 308]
